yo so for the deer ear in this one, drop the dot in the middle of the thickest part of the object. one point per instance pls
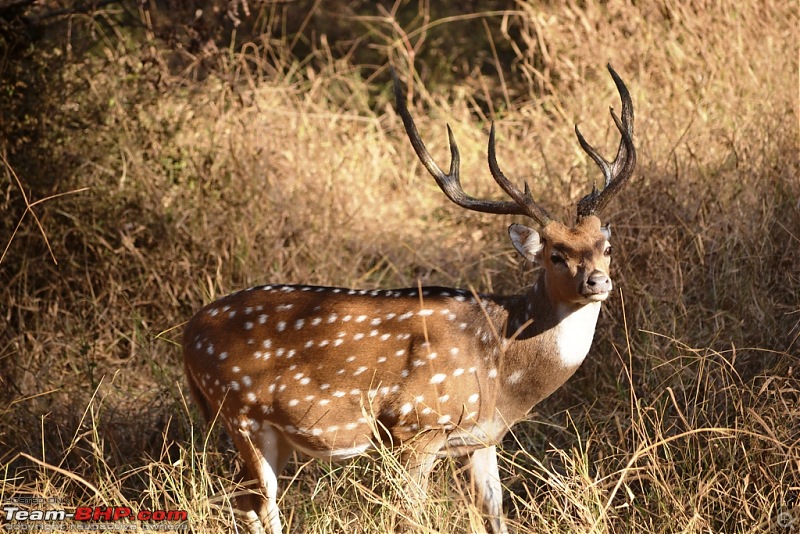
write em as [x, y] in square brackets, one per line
[606, 230]
[526, 240]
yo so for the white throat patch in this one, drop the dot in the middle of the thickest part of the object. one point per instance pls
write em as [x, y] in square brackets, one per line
[575, 332]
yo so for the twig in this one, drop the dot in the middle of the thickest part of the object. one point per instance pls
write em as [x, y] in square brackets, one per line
[28, 208]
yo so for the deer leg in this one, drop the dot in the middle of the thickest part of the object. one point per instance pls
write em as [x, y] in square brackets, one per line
[419, 466]
[486, 486]
[419, 460]
[264, 454]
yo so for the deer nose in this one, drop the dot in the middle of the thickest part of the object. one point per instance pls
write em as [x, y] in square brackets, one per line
[598, 282]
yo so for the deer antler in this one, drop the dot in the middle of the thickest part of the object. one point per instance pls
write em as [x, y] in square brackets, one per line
[450, 183]
[617, 172]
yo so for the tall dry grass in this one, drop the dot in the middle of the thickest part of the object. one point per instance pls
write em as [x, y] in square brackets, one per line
[213, 169]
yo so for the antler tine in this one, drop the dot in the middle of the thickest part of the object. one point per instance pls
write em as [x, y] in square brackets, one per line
[523, 199]
[618, 172]
[449, 183]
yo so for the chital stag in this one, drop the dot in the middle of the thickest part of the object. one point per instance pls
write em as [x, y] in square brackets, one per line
[335, 372]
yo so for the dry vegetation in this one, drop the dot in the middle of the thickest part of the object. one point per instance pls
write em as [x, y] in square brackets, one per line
[211, 166]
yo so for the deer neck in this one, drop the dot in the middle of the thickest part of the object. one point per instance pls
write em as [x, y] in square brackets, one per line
[547, 341]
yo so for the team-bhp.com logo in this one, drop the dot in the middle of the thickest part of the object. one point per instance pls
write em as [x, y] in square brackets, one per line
[90, 518]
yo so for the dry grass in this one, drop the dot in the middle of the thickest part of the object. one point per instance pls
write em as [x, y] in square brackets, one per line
[210, 171]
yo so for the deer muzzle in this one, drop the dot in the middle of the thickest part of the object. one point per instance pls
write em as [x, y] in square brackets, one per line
[597, 286]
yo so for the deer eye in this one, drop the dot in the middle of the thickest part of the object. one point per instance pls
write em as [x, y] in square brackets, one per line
[557, 260]
[607, 251]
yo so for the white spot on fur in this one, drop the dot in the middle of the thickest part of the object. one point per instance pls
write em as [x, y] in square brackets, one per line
[516, 377]
[438, 378]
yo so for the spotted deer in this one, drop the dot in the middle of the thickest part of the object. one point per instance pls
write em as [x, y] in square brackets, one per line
[333, 372]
